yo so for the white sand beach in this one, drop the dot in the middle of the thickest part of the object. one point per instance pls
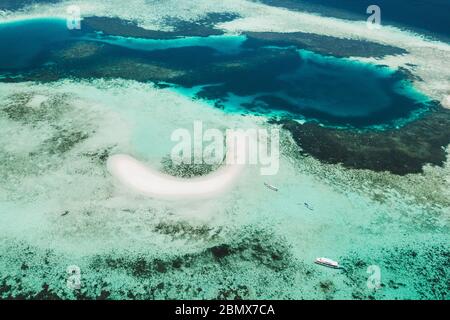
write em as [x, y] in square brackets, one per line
[150, 182]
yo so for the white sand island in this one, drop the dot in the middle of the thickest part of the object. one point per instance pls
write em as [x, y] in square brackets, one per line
[150, 182]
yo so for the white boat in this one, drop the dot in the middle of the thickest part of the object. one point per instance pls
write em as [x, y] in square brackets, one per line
[327, 263]
[271, 187]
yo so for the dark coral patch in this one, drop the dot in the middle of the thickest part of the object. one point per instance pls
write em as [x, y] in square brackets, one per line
[400, 151]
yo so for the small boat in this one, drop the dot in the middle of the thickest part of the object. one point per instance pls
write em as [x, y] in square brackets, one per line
[308, 206]
[271, 187]
[327, 263]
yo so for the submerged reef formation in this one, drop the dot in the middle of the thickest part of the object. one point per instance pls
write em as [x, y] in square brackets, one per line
[106, 276]
[398, 150]
[363, 175]
[253, 264]
[202, 27]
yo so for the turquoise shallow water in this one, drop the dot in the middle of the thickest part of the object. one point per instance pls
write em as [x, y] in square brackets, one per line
[59, 207]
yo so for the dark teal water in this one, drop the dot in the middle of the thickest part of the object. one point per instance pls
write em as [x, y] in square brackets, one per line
[240, 77]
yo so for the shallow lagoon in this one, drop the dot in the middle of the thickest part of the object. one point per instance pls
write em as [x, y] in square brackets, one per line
[251, 243]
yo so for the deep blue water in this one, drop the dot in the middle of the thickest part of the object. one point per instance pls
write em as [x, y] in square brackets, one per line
[241, 78]
[429, 17]
[21, 42]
